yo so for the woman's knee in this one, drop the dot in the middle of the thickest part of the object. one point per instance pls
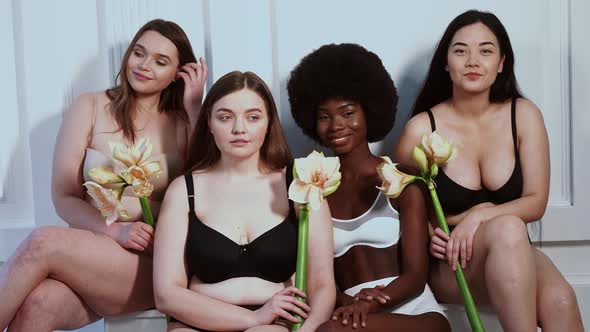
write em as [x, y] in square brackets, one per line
[507, 232]
[330, 326]
[268, 328]
[41, 243]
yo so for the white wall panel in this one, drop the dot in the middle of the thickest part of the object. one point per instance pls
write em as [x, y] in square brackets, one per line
[59, 49]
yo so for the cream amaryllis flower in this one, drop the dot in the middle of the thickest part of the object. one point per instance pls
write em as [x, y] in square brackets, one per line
[138, 180]
[107, 201]
[104, 175]
[315, 177]
[126, 156]
[394, 181]
[437, 149]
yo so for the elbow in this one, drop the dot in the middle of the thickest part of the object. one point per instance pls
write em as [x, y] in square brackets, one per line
[417, 283]
[162, 299]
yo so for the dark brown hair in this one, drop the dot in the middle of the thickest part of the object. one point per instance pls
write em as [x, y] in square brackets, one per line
[203, 152]
[122, 95]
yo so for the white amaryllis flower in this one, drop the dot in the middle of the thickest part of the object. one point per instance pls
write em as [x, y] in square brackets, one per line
[437, 149]
[107, 201]
[126, 156]
[394, 181]
[315, 177]
[420, 159]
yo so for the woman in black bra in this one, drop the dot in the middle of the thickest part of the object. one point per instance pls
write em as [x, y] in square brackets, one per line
[226, 245]
[498, 183]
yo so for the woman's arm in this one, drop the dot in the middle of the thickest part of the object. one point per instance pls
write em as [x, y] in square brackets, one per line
[170, 278]
[67, 178]
[68, 162]
[321, 287]
[533, 149]
[414, 244]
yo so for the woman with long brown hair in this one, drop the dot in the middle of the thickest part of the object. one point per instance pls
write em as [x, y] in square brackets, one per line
[228, 230]
[65, 278]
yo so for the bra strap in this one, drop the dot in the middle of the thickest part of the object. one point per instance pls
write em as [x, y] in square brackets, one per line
[432, 123]
[190, 189]
[513, 116]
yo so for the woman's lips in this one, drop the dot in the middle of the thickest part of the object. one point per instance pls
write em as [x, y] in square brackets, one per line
[342, 140]
[141, 77]
[239, 142]
[472, 76]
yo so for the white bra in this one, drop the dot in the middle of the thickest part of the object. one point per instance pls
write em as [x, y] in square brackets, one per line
[378, 227]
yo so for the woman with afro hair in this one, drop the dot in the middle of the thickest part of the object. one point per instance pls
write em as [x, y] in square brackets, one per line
[342, 97]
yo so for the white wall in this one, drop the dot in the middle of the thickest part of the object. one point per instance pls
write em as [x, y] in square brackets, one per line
[58, 49]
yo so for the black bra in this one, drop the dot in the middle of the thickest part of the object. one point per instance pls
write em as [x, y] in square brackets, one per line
[456, 199]
[213, 257]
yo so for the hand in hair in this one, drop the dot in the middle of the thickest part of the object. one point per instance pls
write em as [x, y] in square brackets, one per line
[194, 76]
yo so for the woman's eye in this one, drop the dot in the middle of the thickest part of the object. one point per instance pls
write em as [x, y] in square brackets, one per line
[348, 114]
[322, 117]
[224, 117]
[486, 51]
[138, 54]
[459, 51]
[253, 117]
[161, 63]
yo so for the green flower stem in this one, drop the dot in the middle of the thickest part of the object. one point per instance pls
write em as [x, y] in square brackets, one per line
[470, 309]
[148, 217]
[301, 272]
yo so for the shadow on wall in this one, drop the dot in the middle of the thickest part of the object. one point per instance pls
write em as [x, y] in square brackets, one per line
[91, 76]
[408, 86]
[407, 89]
[299, 144]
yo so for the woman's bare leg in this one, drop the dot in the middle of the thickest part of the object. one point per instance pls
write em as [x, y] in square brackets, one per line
[502, 261]
[52, 306]
[557, 307]
[386, 322]
[110, 279]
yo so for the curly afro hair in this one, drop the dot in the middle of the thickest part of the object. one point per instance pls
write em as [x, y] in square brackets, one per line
[346, 71]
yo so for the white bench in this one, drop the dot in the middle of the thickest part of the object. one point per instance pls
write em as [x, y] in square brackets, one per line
[145, 321]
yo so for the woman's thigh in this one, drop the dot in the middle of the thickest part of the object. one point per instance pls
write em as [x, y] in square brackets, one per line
[497, 236]
[52, 306]
[110, 279]
[389, 322]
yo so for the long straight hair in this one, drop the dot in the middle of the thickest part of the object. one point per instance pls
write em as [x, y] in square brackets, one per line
[204, 153]
[438, 87]
[122, 96]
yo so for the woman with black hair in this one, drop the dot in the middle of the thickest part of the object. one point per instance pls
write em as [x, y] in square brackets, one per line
[498, 183]
[343, 97]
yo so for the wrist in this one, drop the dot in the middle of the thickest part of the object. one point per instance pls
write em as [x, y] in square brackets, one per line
[375, 306]
[344, 300]
[252, 319]
[113, 230]
[485, 214]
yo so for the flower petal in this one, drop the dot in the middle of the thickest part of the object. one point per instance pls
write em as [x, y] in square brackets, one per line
[105, 201]
[299, 191]
[152, 168]
[104, 175]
